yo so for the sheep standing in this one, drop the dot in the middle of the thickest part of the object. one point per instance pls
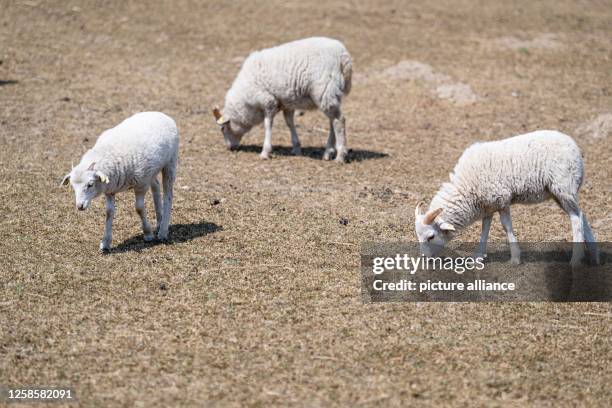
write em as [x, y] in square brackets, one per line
[491, 176]
[313, 73]
[130, 155]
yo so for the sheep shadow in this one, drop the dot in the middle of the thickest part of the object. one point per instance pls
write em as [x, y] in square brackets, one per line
[559, 256]
[316, 153]
[562, 283]
[4, 82]
[178, 233]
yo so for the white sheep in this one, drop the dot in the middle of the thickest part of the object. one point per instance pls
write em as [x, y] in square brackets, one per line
[130, 155]
[313, 73]
[491, 176]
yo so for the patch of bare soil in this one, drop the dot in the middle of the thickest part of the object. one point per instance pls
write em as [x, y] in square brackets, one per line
[459, 93]
[546, 41]
[440, 84]
[598, 128]
[414, 70]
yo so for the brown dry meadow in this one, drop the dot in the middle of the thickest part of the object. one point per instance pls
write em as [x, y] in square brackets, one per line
[256, 299]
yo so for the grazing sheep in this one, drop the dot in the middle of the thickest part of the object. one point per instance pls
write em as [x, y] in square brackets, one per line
[313, 73]
[491, 176]
[130, 155]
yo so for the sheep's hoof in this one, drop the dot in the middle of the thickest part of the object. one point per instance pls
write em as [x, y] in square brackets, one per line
[328, 154]
[515, 261]
[148, 237]
[264, 156]
[162, 237]
[479, 255]
[296, 151]
[575, 262]
[104, 247]
[340, 159]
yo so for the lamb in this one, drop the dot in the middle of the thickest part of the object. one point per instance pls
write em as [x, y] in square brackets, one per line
[130, 155]
[491, 176]
[312, 73]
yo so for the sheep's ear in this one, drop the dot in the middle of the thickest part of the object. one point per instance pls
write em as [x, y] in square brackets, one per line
[65, 180]
[447, 226]
[418, 211]
[91, 166]
[219, 117]
[102, 177]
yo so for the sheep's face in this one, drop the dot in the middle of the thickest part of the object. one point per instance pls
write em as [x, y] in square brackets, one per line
[232, 131]
[432, 232]
[87, 185]
[232, 134]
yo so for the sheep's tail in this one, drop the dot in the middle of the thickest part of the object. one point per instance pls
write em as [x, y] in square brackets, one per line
[346, 66]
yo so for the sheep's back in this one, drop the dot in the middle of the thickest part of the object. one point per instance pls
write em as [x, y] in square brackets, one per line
[145, 134]
[296, 71]
[137, 148]
[520, 168]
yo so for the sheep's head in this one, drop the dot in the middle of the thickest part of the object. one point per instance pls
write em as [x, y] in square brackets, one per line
[431, 230]
[87, 184]
[232, 131]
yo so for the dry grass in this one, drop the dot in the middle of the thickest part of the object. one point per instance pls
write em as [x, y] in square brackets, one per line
[257, 299]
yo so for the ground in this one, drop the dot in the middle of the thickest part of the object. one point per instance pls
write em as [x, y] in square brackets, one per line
[256, 299]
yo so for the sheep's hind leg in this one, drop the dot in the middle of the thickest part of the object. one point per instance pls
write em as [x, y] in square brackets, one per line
[168, 177]
[590, 240]
[157, 202]
[267, 146]
[569, 203]
[338, 124]
[330, 149]
[577, 237]
[108, 227]
[142, 212]
[340, 131]
[295, 141]
[506, 220]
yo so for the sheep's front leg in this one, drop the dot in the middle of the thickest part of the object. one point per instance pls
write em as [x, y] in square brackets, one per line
[142, 212]
[267, 147]
[506, 220]
[295, 141]
[155, 191]
[108, 228]
[484, 236]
